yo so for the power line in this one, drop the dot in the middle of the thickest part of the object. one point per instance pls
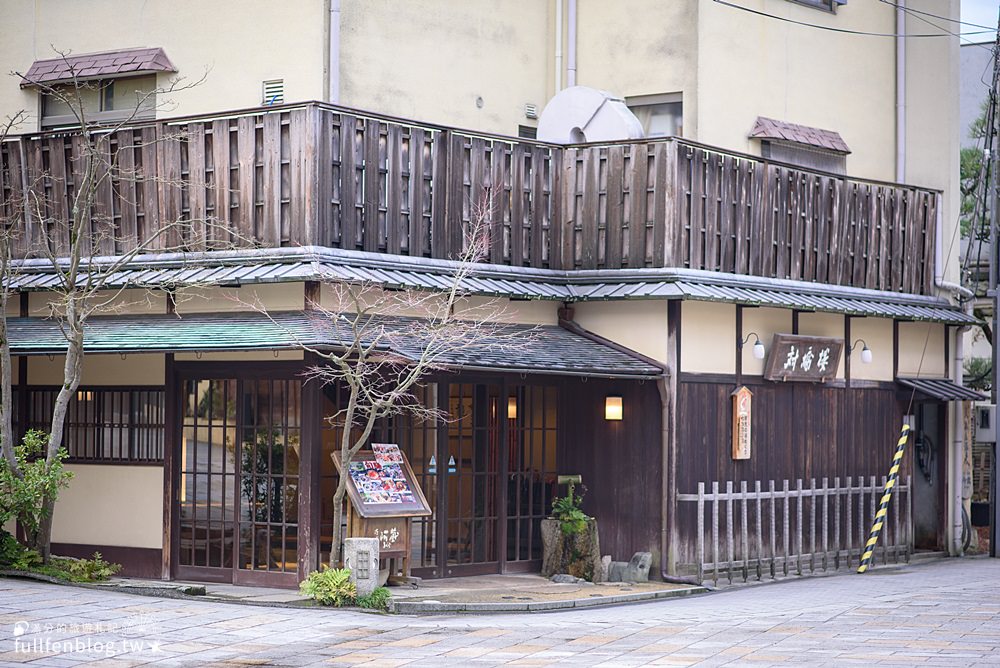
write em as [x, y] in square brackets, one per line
[937, 16]
[916, 14]
[842, 30]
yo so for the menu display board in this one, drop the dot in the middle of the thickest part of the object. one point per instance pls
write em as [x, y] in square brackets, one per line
[382, 483]
[381, 480]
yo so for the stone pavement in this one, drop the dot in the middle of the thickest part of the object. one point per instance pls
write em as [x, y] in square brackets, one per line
[941, 613]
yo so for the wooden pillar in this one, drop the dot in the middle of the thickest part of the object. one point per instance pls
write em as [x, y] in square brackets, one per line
[171, 428]
[309, 474]
[671, 540]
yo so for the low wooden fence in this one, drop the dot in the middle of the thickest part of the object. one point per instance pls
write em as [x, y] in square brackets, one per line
[749, 532]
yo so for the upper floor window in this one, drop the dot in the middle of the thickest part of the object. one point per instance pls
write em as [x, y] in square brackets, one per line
[99, 101]
[660, 115]
[106, 87]
[828, 5]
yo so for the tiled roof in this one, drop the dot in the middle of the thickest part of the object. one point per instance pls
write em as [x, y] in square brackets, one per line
[311, 263]
[768, 128]
[503, 347]
[93, 65]
[943, 389]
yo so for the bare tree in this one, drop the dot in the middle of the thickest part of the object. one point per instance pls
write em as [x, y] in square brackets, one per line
[71, 241]
[391, 340]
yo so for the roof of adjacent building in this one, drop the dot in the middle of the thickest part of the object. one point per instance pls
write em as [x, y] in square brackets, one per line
[503, 347]
[275, 265]
[95, 65]
[769, 128]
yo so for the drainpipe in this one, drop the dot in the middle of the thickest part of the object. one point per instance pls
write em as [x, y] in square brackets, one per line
[333, 63]
[571, 46]
[559, 45]
[958, 442]
[900, 91]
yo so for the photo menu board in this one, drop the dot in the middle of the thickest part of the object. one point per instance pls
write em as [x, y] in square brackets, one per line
[382, 483]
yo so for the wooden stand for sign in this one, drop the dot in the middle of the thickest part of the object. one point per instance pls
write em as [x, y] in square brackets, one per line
[391, 523]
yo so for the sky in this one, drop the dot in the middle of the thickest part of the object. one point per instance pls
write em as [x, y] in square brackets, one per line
[982, 12]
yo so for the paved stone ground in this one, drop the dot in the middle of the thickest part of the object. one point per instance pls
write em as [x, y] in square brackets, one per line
[943, 613]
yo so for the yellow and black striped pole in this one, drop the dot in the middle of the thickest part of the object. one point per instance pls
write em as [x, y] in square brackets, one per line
[883, 506]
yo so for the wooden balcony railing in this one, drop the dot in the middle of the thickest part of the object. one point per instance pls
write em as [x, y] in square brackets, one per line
[315, 174]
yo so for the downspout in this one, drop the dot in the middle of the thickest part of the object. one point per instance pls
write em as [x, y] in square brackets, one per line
[571, 46]
[958, 441]
[333, 62]
[559, 45]
[900, 91]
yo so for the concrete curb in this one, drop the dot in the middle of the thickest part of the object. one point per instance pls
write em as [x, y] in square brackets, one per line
[432, 607]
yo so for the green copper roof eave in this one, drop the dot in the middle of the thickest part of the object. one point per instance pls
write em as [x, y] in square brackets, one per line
[542, 349]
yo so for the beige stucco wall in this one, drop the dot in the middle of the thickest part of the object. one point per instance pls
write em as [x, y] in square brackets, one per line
[824, 324]
[751, 66]
[661, 54]
[111, 505]
[272, 296]
[877, 333]
[111, 302]
[708, 337]
[534, 312]
[932, 120]
[640, 325]
[144, 369]
[766, 322]
[914, 360]
[235, 47]
[431, 60]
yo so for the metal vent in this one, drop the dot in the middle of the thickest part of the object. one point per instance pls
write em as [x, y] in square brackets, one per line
[274, 92]
[531, 110]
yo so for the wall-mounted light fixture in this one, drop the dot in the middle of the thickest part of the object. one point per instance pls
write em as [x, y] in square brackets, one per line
[512, 407]
[866, 352]
[612, 408]
[758, 347]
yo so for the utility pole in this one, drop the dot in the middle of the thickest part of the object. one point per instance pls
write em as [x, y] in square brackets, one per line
[994, 195]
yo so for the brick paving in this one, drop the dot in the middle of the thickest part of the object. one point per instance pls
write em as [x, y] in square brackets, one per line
[943, 613]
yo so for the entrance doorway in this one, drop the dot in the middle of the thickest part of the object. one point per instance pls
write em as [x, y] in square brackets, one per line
[488, 471]
[929, 475]
[236, 516]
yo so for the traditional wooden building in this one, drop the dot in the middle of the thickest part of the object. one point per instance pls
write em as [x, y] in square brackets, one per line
[646, 272]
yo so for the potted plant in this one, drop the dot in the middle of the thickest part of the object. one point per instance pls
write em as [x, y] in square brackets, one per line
[569, 539]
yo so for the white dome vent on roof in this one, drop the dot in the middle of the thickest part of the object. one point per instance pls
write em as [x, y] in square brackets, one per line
[580, 114]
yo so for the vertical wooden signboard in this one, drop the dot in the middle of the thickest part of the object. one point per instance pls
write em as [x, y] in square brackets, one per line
[742, 414]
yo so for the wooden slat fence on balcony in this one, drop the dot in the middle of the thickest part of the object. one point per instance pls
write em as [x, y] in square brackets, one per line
[314, 174]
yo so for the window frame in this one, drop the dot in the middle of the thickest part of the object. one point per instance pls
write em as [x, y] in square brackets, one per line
[102, 116]
[155, 430]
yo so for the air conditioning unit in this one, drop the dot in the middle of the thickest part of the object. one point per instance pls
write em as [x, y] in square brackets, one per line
[985, 424]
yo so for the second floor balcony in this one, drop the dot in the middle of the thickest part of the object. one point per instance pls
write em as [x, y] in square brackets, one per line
[315, 175]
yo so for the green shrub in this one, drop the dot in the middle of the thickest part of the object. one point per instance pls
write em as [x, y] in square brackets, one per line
[95, 569]
[566, 509]
[330, 586]
[16, 557]
[23, 496]
[377, 600]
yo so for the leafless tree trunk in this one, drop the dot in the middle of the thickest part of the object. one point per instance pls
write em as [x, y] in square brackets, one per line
[84, 286]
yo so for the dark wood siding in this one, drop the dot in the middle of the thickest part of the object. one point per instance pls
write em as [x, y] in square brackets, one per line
[620, 462]
[800, 431]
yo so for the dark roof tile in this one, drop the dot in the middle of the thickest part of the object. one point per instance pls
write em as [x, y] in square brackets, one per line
[108, 63]
[768, 128]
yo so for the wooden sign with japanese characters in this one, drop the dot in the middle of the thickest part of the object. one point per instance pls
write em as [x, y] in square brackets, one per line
[742, 418]
[803, 358]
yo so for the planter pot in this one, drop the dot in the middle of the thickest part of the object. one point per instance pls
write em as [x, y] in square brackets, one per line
[577, 554]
